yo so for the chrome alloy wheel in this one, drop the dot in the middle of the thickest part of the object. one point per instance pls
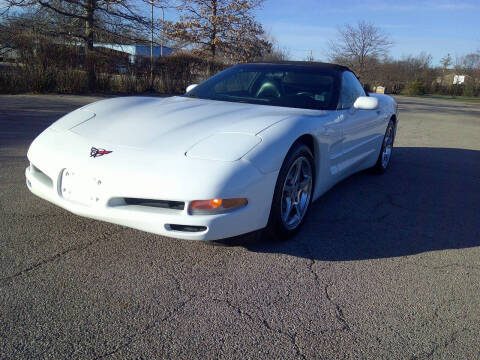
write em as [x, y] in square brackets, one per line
[387, 147]
[296, 193]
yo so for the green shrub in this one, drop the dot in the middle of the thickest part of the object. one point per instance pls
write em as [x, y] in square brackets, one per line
[32, 78]
[10, 82]
[125, 83]
[103, 82]
[177, 71]
[71, 81]
[172, 74]
[415, 88]
[470, 89]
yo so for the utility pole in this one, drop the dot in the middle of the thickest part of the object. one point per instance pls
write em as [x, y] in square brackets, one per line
[151, 51]
[91, 6]
[161, 34]
[310, 56]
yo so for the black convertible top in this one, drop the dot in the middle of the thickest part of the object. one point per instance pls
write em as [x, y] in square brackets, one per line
[303, 64]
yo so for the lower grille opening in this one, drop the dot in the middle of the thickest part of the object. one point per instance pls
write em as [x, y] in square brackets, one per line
[185, 228]
[164, 204]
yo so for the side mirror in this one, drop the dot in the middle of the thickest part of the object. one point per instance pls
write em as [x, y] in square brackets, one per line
[191, 87]
[366, 103]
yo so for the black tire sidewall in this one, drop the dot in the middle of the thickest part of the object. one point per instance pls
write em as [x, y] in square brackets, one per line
[276, 230]
[378, 166]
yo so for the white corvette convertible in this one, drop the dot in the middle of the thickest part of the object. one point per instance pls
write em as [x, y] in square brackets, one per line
[250, 148]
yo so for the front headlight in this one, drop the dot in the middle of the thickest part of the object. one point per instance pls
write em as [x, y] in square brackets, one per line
[216, 206]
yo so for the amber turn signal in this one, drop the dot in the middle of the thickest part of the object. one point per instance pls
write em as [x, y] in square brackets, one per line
[206, 204]
[215, 206]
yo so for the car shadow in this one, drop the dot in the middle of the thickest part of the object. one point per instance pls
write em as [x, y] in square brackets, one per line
[429, 199]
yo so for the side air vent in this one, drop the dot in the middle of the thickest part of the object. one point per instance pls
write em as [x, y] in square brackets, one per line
[164, 204]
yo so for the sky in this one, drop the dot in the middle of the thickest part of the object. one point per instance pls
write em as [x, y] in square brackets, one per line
[436, 27]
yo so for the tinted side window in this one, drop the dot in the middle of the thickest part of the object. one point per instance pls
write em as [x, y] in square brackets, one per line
[351, 90]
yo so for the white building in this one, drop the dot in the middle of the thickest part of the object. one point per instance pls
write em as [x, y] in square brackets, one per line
[138, 50]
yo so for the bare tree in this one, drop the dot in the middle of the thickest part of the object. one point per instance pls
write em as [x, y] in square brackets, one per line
[446, 62]
[276, 53]
[359, 47]
[87, 20]
[222, 27]
[470, 63]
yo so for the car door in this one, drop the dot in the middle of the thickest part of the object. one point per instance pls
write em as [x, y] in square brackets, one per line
[358, 125]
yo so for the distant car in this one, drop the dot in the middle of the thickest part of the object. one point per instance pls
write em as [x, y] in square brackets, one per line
[247, 149]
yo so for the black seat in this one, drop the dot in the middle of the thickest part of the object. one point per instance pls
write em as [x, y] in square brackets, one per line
[269, 89]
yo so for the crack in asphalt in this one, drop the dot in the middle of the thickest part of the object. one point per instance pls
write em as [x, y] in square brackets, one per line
[233, 306]
[338, 310]
[312, 262]
[450, 340]
[130, 339]
[104, 236]
[291, 336]
[138, 334]
[392, 203]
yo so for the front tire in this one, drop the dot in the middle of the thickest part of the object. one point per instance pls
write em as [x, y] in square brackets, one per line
[386, 151]
[293, 193]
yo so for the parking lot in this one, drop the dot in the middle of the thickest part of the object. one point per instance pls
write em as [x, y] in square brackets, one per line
[386, 267]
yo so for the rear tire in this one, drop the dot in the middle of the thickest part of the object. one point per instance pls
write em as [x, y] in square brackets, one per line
[386, 151]
[293, 193]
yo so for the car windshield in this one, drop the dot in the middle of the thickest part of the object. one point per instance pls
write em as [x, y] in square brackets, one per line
[308, 87]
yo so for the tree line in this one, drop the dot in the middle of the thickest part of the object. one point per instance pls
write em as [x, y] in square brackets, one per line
[364, 48]
[54, 42]
[212, 34]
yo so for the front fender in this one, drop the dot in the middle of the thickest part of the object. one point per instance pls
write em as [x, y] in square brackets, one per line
[268, 156]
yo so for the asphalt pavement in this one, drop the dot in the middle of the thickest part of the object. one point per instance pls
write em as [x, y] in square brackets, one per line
[386, 267]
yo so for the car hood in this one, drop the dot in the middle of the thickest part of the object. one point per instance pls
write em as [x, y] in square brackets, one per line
[172, 123]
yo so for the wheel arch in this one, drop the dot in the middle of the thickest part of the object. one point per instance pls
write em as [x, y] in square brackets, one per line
[308, 140]
[311, 143]
[395, 123]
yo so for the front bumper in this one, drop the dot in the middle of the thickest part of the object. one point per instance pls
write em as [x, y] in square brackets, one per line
[141, 174]
[252, 217]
